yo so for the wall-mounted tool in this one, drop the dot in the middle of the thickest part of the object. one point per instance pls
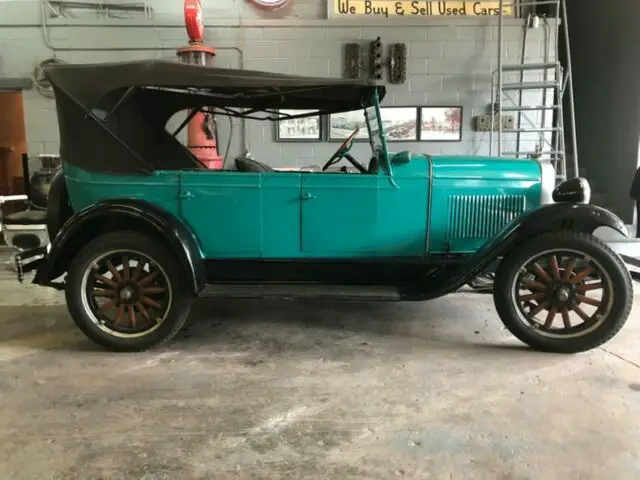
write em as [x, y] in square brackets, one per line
[397, 62]
[375, 59]
[352, 60]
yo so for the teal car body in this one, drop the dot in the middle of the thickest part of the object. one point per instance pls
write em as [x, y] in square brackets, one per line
[139, 227]
[428, 204]
[425, 224]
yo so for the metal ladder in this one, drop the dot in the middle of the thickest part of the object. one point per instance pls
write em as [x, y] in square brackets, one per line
[552, 79]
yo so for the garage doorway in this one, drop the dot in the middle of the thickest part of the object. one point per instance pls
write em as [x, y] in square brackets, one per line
[13, 142]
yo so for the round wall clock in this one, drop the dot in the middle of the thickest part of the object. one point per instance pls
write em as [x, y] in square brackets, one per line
[269, 4]
[193, 20]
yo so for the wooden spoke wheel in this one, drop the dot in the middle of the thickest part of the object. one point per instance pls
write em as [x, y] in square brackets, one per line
[127, 292]
[563, 292]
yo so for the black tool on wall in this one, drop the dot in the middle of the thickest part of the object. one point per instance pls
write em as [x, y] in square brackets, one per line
[397, 62]
[375, 59]
[352, 60]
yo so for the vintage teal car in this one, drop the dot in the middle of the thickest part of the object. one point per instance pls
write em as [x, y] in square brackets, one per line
[139, 227]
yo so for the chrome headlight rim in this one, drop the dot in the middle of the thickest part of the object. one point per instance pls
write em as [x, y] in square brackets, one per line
[547, 181]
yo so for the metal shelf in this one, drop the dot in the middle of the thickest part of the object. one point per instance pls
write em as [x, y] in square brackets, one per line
[530, 85]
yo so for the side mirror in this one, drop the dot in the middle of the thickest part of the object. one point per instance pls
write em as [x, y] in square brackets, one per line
[401, 158]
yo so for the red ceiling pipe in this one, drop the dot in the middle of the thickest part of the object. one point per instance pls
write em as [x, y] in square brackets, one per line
[202, 132]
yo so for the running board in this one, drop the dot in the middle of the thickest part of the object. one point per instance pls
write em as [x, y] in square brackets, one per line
[363, 293]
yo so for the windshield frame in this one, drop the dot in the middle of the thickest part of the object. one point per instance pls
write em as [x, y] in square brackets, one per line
[376, 132]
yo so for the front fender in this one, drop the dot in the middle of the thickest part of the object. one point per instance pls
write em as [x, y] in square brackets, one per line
[109, 215]
[557, 216]
[582, 217]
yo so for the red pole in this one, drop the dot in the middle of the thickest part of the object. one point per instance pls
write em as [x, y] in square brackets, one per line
[201, 131]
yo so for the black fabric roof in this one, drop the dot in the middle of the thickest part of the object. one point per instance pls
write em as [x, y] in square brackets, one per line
[88, 84]
[112, 117]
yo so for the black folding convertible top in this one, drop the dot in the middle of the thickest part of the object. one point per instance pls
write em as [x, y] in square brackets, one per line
[112, 116]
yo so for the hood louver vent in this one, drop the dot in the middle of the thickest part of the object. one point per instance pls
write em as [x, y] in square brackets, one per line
[482, 216]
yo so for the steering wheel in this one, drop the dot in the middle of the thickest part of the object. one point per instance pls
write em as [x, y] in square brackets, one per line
[343, 152]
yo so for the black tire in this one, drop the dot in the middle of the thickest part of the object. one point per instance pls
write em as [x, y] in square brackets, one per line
[58, 208]
[615, 304]
[84, 309]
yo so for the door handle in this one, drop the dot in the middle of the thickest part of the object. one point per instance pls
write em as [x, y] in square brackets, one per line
[307, 196]
[186, 195]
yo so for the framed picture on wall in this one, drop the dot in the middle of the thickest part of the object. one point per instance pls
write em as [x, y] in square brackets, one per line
[400, 123]
[342, 124]
[440, 124]
[305, 129]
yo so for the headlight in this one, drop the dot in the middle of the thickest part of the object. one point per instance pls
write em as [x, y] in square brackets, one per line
[548, 181]
[576, 190]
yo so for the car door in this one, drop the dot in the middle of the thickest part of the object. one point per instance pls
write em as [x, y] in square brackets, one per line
[339, 214]
[224, 211]
[242, 214]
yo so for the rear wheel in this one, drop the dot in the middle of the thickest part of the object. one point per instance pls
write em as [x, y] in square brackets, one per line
[126, 292]
[563, 292]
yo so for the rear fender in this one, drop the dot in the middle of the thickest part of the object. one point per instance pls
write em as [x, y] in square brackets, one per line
[552, 217]
[137, 215]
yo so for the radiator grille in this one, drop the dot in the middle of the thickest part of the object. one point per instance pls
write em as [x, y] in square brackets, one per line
[482, 216]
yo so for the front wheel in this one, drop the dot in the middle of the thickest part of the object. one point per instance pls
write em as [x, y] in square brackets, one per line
[563, 292]
[126, 292]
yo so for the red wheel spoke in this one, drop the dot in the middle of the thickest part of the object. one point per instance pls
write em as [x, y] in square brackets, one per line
[580, 276]
[105, 280]
[103, 293]
[154, 290]
[137, 273]
[590, 286]
[550, 317]
[588, 300]
[566, 319]
[107, 305]
[149, 302]
[581, 313]
[533, 285]
[143, 310]
[555, 269]
[114, 271]
[119, 312]
[532, 296]
[149, 278]
[126, 273]
[540, 272]
[132, 315]
[568, 270]
[537, 310]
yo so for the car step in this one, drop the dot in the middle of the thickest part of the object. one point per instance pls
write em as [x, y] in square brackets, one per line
[302, 291]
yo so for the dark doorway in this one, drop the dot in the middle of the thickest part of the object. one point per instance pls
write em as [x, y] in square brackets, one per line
[13, 142]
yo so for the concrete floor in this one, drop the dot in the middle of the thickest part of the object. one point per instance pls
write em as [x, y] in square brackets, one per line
[304, 390]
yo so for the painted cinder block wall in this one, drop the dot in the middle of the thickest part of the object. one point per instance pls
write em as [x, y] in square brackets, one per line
[450, 60]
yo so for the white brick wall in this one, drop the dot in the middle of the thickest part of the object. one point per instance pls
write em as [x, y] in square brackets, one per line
[450, 61]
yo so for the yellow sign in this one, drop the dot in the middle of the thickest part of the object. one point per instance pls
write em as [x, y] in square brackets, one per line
[416, 8]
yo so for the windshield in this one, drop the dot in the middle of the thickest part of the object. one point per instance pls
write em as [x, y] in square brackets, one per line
[376, 133]
[373, 127]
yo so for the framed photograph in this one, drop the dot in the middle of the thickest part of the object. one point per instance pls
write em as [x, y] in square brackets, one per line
[306, 129]
[440, 124]
[400, 123]
[341, 125]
